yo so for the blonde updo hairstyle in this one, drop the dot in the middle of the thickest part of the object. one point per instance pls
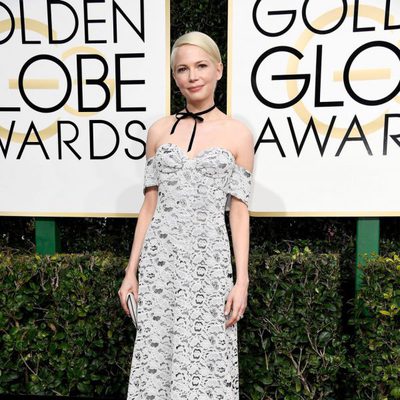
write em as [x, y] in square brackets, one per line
[197, 39]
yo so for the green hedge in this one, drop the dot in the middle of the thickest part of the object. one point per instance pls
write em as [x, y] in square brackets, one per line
[377, 328]
[291, 342]
[63, 332]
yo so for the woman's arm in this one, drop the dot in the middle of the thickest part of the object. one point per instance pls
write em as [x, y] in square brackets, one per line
[144, 218]
[130, 282]
[239, 220]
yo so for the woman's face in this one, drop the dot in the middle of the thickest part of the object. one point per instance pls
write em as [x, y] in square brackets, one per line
[195, 73]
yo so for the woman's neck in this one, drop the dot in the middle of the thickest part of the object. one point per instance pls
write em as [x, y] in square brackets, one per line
[196, 107]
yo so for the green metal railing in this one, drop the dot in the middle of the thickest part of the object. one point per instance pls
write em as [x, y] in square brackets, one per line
[47, 236]
[367, 243]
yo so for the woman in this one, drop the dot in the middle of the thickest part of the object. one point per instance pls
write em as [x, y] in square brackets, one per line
[198, 165]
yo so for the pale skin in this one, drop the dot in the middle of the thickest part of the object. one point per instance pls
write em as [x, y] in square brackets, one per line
[196, 74]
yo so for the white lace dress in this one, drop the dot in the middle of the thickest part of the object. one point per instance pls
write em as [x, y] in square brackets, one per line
[183, 350]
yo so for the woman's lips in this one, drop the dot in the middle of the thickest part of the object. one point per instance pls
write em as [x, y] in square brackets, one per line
[195, 88]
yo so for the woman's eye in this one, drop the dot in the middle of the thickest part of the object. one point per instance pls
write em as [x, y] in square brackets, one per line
[202, 65]
[181, 69]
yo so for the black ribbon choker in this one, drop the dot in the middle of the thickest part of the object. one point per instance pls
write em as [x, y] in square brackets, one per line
[195, 116]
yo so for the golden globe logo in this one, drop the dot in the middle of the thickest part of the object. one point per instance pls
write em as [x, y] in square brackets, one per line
[67, 91]
[315, 60]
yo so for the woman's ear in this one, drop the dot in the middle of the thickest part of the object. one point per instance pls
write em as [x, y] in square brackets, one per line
[220, 70]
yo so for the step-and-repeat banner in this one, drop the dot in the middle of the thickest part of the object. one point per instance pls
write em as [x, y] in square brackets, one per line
[80, 84]
[318, 82]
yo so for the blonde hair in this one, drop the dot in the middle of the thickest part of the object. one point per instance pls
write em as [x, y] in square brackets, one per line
[197, 39]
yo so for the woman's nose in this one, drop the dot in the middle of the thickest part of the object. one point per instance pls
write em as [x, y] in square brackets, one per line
[192, 74]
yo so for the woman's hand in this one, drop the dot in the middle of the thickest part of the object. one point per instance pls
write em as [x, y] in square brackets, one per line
[129, 284]
[236, 302]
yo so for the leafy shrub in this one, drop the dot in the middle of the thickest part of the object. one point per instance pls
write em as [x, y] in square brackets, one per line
[62, 329]
[377, 325]
[291, 342]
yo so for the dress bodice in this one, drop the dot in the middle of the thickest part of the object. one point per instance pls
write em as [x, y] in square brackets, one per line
[212, 176]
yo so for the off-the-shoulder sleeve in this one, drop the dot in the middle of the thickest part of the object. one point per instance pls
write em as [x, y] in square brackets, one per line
[239, 185]
[150, 173]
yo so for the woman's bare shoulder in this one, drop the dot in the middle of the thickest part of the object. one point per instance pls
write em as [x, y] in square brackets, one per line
[161, 124]
[244, 142]
[237, 126]
[156, 132]
[240, 131]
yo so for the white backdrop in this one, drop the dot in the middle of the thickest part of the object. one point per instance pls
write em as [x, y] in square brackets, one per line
[351, 60]
[86, 162]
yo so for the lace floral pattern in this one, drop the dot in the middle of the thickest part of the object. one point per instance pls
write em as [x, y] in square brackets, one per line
[182, 349]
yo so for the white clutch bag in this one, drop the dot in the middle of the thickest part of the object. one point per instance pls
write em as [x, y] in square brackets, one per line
[132, 306]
